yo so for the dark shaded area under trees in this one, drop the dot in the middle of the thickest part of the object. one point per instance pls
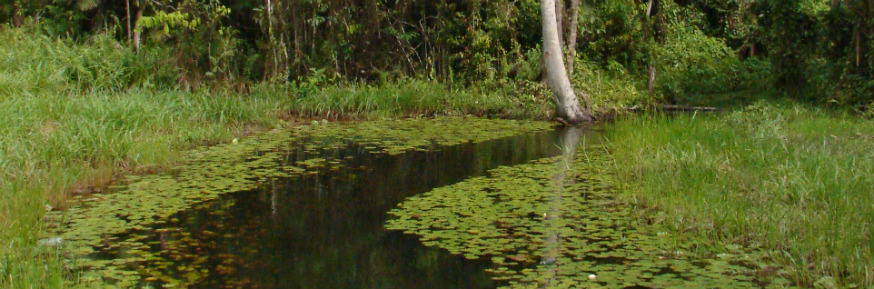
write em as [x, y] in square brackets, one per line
[818, 50]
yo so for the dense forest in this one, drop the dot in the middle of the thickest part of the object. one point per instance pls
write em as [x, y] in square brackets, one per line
[817, 50]
[96, 92]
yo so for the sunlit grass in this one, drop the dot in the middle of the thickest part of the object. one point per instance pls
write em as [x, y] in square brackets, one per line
[789, 177]
[414, 97]
[74, 116]
[55, 145]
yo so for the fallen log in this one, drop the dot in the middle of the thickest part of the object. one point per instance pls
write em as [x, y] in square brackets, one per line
[671, 107]
[609, 114]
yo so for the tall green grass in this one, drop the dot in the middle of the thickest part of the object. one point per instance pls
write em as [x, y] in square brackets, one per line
[74, 115]
[792, 178]
[55, 144]
[414, 97]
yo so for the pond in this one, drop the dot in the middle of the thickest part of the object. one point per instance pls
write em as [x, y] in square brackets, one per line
[446, 203]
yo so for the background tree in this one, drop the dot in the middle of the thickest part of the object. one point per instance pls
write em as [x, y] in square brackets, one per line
[818, 50]
[655, 32]
[568, 107]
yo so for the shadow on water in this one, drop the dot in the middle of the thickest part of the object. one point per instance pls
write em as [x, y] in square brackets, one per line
[326, 230]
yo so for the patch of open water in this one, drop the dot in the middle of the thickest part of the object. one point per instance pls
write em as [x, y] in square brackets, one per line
[326, 229]
[492, 209]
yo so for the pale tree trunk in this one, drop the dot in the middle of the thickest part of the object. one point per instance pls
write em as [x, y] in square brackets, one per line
[136, 33]
[16, 19]
[650, 79]
[127, 10]
[571, 40]
[273, 43]
[568, 107]
[651, 9]
[559, 21]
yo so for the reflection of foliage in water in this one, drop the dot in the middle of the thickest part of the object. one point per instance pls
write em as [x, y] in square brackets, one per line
[503, 217]
[96, 227]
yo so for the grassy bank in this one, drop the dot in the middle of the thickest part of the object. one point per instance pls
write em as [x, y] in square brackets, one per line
[57, 144]
[785, 176]
[74, 116]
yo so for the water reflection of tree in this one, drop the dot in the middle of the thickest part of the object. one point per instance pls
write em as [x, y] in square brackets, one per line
[569, 139]
[326, 230]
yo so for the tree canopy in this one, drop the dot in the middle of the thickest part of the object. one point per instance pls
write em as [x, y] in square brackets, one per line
[815, 49]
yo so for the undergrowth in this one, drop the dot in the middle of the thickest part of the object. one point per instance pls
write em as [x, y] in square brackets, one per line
[77, 114]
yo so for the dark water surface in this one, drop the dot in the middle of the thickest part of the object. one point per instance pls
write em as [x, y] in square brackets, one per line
[326, 230]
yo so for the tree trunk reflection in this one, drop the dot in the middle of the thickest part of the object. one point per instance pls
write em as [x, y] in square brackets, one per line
[569, 139]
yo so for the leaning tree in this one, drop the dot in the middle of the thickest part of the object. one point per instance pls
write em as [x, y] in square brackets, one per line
[567, 105]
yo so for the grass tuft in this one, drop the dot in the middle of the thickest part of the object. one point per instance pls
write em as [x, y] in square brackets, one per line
[74, 115]
[788, 177]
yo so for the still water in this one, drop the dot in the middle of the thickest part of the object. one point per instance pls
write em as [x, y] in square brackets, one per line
[437, 204]
[327, 229]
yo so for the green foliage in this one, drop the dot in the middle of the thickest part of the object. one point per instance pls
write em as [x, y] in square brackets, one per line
[415, 97]
[67, 128]
[821, 50]
[59, 17]
[783, 176]
[164, 20]
[791, 34]
[79, 104]
[610, 31]
[35, 63]
[611, 87]
[850, 54]
[812, 45]
[694, 64]
[188, 28]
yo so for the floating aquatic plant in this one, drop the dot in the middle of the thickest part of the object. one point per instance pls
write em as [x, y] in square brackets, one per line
[554, 224]
[103, 235]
